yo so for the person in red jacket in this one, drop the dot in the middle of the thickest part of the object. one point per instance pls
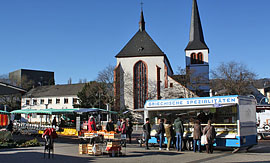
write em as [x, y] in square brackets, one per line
[49, 133]
[92, 124]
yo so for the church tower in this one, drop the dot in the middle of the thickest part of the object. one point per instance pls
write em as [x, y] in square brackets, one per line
[197, 64]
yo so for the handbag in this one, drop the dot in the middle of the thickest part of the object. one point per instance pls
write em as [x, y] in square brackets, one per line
[203, 139]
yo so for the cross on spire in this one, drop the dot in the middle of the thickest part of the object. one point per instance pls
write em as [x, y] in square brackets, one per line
[142, 23]
[141, 5]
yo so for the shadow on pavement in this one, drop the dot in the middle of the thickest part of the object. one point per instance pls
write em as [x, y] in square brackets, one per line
[39, 157]
[211, 158]
[149, 153]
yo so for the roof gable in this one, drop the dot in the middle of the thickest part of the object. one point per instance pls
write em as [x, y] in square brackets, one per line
[141, 44]
[55, 90]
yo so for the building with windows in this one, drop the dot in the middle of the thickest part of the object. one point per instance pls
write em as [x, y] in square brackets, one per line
[144, 72]
[51, 97]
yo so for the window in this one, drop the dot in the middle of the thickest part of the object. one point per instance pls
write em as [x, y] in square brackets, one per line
[58, 101]
[158, 82]
[41, 101]
[27, 102]
[193, 58]
[66, 101]
[140, 84]
[34, 102]
[75, 100]
[200, 58]
[49, 101]
[196, 58]
[171, 84]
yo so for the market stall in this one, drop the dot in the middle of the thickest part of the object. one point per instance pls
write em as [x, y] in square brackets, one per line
[234, 117]
[97, 141]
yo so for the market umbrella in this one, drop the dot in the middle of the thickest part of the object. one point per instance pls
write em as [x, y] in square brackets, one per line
[4, 112]
[24, 111]
[86, 110]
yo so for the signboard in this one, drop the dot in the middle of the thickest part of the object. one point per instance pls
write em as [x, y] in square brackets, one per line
[216, 101]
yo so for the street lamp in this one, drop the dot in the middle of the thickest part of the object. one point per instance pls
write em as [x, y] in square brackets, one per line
[266, 100]
[254, 98]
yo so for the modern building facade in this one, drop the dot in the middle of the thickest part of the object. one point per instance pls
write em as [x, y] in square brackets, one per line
[31, 78]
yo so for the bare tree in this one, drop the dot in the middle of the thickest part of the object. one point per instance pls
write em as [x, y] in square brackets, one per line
[4, 78]
[191, 79]
[106, 75]
[232, 78]
[94, 94]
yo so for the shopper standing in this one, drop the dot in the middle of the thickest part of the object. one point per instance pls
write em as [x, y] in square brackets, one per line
[210, 133]
[129, 129]
[110, 126]
[197, 133]
[169, 133]
[161, 131]
[147, 131]
[179, 130]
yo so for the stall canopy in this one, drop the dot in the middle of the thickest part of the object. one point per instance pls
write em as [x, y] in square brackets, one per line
[44, 111]
[92, 110]
[4, 112]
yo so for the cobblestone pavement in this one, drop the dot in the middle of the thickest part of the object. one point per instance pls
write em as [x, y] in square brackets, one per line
[66, 150]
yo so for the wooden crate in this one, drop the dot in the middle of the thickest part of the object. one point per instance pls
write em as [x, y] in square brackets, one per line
[114, 136]
[82, 148]
[113, 144]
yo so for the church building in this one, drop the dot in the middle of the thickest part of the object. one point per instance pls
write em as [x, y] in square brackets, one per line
[143, 71]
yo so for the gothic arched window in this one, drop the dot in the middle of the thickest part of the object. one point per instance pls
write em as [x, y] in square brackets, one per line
[140, 84]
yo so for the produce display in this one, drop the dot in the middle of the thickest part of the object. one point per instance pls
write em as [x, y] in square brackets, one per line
[111, 138]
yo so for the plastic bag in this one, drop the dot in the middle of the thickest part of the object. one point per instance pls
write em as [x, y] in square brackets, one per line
[203, 139]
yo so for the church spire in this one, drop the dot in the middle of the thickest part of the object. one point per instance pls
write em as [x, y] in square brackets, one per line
[196, 39]
[142, 23]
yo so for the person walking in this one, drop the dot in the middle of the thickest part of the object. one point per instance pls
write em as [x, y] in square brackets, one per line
[210, 133]
[129, 129]
[169, 133]
[147, 131]
[179, 130]
[161, 131]
[197, 133]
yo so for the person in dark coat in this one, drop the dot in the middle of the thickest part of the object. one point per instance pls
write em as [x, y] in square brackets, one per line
[210, 133]
[54, 123]
[129, 129]
[179, 130]
[197, 133]
[147, 131]
[10, 126]
[161, 131]
[110, 126]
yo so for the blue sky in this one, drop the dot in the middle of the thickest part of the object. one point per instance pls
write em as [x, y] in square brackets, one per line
[78, 38]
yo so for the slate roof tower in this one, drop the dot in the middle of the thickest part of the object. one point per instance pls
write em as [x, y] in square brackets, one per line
[197, 55]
